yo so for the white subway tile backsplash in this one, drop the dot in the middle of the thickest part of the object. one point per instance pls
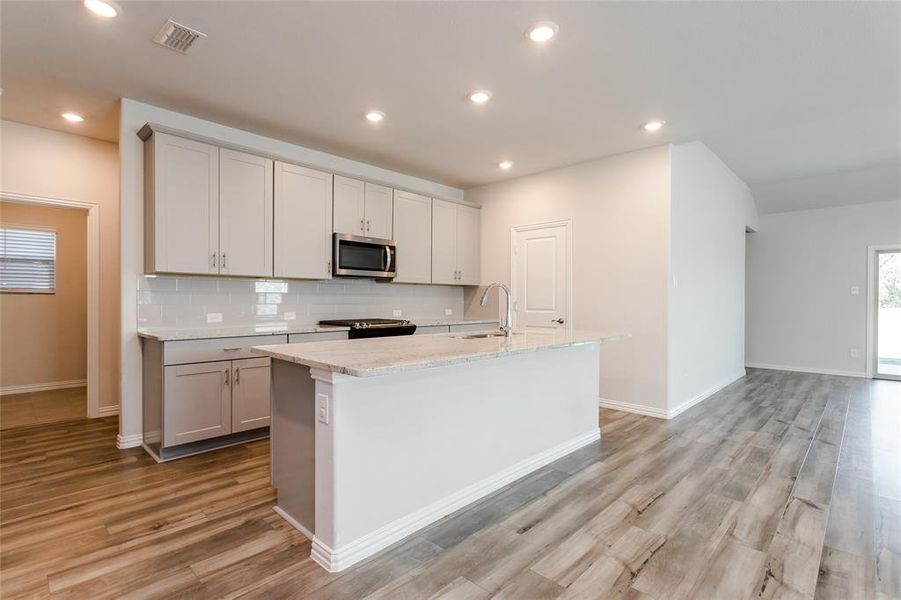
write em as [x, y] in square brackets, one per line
[169, 301]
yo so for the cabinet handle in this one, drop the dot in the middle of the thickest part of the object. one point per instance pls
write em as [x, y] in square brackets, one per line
[362, 224]
[223, 260]
[558, 321]
[237, 375]
[213, 260]
[231, 349]
[367, 225]
[328, 267]
[226, 376]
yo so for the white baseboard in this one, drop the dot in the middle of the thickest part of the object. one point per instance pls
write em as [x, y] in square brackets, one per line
[129, 441]
[293, 522]
[108, 411]
[334, 560]
[640, 409]
[813, 370]
[674, 412]
[653, 411]
[42, 387]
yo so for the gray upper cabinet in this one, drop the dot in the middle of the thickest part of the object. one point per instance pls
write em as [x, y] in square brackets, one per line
[413, 232]
[181, 203]
[208, 210]
[362, 208]
[303, 222]
[455, 243]
[245, 214]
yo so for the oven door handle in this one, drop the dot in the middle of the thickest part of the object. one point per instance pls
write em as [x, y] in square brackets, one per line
[387, 258]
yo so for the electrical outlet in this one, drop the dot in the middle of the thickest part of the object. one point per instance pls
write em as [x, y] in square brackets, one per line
[322, 408]
[214, 317]
[855, 352]
[290, 316]
[855, 290]
[448, 312]
[397, 312]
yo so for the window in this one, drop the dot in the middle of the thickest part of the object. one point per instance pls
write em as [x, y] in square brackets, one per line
[27, 261]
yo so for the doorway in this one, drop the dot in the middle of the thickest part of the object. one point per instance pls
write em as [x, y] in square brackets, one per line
[541, 276]
[885, 308]
[88, 396]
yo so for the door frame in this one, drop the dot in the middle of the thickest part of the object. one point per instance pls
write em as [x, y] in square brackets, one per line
[871, 297]
[93, 291]
[567, 223]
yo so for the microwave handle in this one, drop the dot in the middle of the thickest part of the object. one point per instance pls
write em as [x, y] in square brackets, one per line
[387, 258]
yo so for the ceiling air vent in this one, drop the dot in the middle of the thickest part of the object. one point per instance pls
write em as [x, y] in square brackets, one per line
[176, 36]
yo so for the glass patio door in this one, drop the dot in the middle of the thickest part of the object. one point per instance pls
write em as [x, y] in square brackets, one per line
[888, 314]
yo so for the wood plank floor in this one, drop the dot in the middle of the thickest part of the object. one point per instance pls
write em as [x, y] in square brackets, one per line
[783, 485]
[34, 408]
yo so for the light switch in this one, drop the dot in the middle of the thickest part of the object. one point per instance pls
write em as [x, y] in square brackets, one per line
[397, 312]
[290, 316]
[322, 408]
[448, 312]
[855, 290]
[214, 317]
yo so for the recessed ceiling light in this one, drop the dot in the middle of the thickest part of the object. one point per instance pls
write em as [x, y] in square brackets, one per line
[653, 125]
[107, 10]
[504, 165]
[543, 31]
[375, 116]
[72, 117]
[480, 96]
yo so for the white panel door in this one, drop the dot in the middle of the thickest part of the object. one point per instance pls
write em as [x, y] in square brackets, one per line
[350, 205]
[444, 242]
[413, 233]
[467, 245]
[197, 402]
[250, 394]
[303, 222]
[185, 206]
[540, 277]
[378, 209]
[245, 214]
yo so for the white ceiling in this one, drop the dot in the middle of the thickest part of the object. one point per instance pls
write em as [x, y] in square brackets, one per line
[801, 100]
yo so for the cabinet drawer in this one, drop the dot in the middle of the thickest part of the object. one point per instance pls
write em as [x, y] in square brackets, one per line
[196, 351]
[299, 338]
[474, 327]
[430, 329]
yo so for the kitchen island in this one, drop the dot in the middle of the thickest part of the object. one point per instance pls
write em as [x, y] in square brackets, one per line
[374, 439]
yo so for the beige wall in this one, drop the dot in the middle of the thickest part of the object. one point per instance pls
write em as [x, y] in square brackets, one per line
[619, 207]
[41, 162]
[43, 337]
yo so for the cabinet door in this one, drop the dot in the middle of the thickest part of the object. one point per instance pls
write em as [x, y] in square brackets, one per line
[378, 209]
[182, 205]
[245, 214]
[349, 206]
[468, 245]
[444, 242]
[197, 403]
[250, 394]
[303, 222]
[413, 233]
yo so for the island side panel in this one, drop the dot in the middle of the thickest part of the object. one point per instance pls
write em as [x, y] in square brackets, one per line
[405, 449]
[293, 442]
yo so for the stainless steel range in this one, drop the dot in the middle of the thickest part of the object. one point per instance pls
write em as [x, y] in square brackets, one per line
[370, 328]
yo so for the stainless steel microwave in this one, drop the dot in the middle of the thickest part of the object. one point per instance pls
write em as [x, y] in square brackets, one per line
[360, 256]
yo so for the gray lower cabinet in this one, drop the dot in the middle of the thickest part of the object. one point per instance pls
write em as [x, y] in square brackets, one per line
[205, 394]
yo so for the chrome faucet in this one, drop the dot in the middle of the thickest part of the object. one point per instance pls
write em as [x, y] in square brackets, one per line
[507, 323]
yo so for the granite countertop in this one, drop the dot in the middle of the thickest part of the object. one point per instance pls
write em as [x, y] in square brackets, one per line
[202, 333]
[382, 356]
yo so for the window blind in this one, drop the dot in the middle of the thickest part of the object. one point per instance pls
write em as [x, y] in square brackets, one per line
[27, 260]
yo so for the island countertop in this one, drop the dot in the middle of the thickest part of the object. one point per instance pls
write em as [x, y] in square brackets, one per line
[383, 356]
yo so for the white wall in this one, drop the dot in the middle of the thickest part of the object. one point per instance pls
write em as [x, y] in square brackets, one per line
[133, 115]
[619, 207]
[42, 162]
[710, 209]
[801, 267]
